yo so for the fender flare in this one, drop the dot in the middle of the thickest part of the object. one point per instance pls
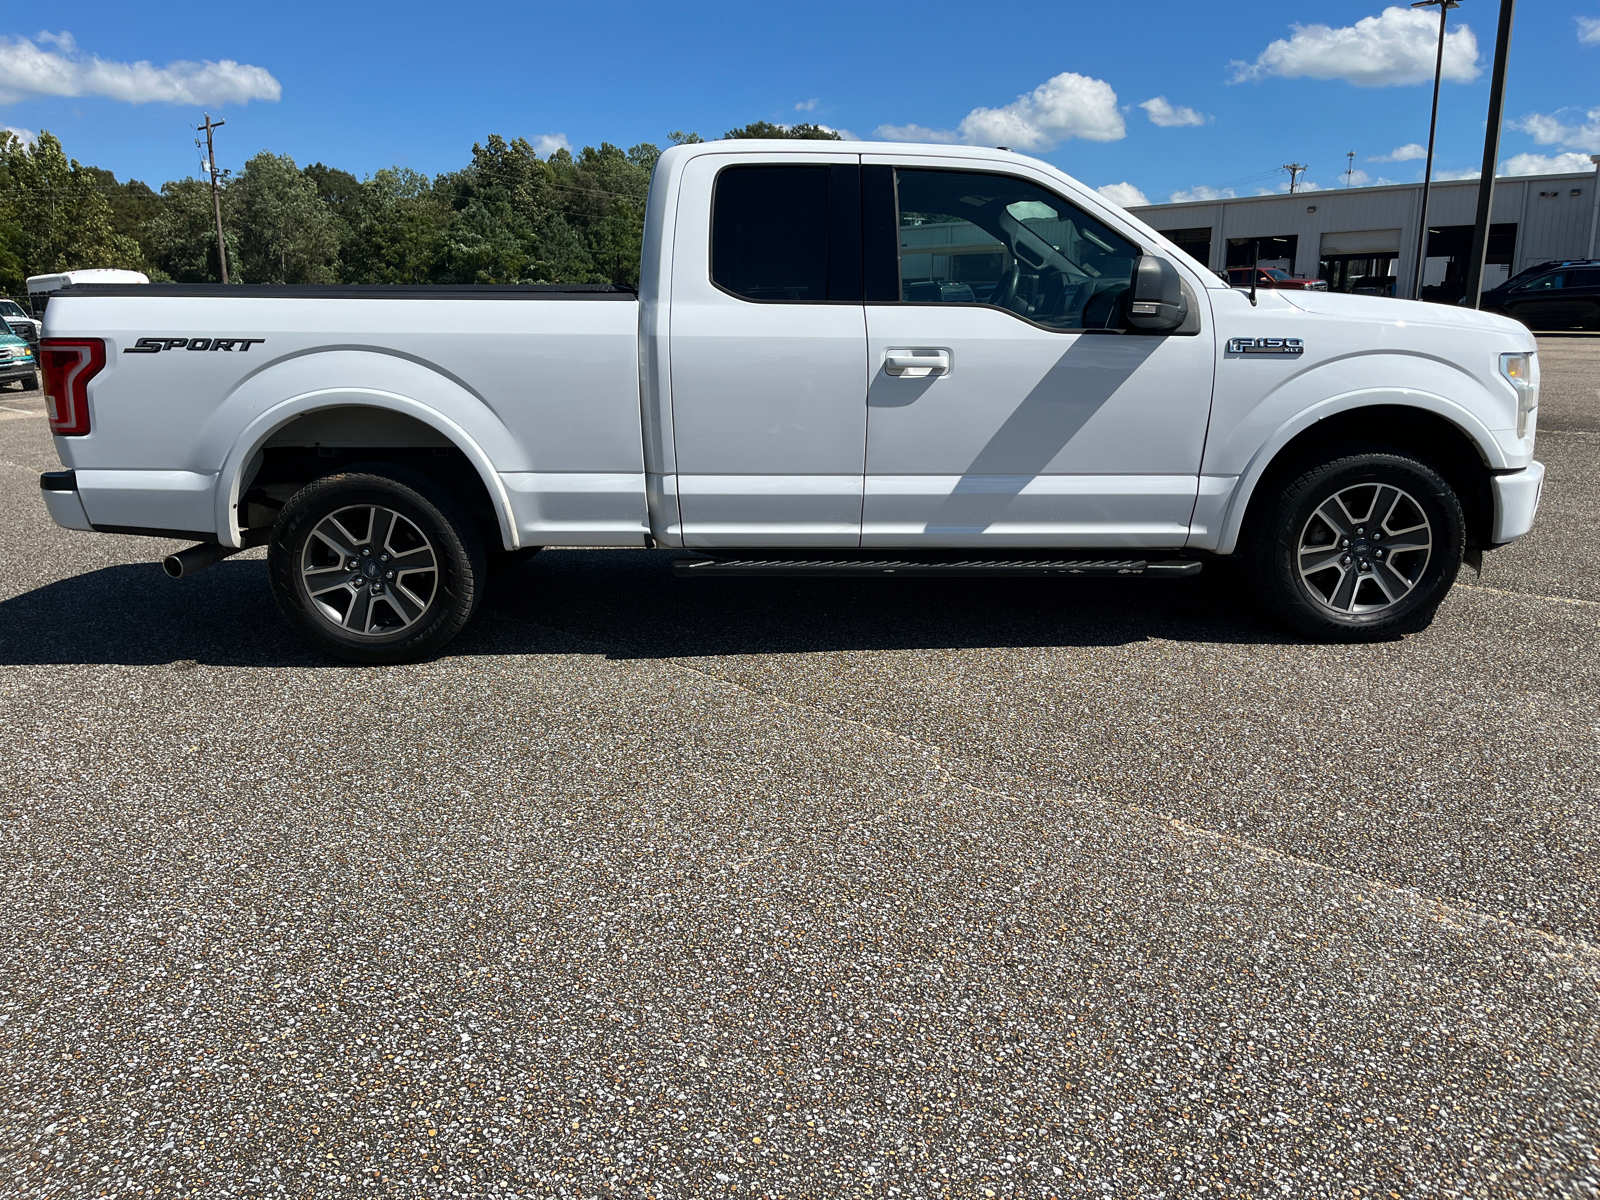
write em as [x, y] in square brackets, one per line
[255, 435]
[1244, 488]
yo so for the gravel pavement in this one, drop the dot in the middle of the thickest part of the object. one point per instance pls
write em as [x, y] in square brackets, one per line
[800, 888]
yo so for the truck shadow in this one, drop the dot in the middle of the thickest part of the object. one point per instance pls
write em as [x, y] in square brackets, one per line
[624, 604]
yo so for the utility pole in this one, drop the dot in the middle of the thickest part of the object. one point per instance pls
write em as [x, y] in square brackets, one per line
[1294, 170]
[1433, 127]
[216, 196]
[1594, 217]
[1491, 157]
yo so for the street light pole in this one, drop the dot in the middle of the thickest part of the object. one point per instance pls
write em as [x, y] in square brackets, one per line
[1491, 160]
[1433, 127]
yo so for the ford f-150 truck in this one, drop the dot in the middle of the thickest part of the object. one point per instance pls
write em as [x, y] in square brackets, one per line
[841, 358]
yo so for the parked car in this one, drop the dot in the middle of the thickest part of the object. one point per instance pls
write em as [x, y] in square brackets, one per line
[793, 391]
[1275, 277]
[1563, 295]
[21, 323]
[17, 361]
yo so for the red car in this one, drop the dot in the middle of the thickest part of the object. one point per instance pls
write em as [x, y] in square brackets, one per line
[1273, 277]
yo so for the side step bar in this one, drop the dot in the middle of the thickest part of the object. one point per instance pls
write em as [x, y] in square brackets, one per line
[696, 568]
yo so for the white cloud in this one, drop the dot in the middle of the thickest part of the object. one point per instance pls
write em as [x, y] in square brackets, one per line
[1548, 129]
[1395, 47]
[1404, 153]
[1356, 178]
[1545, 164]
[806, 105]
[1203, 192]
[1065, 106]
[1305, 185]
[916, 133]
[1588, 31]
[22, 135]
[1124, 194]
[1167, 116]
[1444, 176]
[27, 68]
[547, 144]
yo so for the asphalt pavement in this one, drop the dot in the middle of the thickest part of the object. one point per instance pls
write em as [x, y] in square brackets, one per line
[800, 888]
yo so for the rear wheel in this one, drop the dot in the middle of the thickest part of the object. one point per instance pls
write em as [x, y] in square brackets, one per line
[1360, 548]
[376, 564]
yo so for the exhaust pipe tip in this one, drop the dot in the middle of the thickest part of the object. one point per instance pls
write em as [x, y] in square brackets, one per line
[196, 558]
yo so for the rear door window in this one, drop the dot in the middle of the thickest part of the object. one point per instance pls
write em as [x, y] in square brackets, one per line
[769, 233]
[967, 237]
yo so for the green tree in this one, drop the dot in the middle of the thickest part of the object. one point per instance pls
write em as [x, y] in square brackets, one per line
[287, 234]
[182, 235]
[766, 129]
[397, 230]
[52, 215]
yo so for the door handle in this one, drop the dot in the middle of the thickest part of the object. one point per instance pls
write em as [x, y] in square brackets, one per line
[916, 364]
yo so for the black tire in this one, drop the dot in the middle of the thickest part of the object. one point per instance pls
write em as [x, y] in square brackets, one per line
[1365, 592]
[403, 619]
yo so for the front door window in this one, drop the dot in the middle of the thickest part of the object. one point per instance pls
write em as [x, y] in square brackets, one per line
[968, 238]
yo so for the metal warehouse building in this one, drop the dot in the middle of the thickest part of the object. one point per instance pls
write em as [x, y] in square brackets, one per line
[1365, 239]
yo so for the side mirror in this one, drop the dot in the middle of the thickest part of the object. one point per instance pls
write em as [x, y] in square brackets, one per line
[1156, 302]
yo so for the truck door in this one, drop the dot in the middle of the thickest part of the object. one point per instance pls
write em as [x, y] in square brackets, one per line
[1036, 420]
[769, 351]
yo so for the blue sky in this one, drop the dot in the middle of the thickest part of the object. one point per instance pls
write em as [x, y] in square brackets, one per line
[1165, 97]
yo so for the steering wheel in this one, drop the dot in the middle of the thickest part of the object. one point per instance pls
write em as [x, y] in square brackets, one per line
[1005, 288]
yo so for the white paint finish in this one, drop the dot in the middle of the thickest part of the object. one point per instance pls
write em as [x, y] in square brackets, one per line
[571, 508]
[774, 394]
[1040, 510]
[1210, 510]
[586, 388]
[771, 510]
[1360, 351]
[149, 499]
[1024, 423]
[66, 510]
[260, 430]
[1516, 502]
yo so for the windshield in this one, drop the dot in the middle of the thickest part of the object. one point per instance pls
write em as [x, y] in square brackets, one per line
[10, 308]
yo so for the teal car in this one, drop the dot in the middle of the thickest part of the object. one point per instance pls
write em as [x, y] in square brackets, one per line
[17, 360]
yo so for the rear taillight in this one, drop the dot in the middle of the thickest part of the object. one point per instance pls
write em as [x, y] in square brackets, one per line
[69, 364]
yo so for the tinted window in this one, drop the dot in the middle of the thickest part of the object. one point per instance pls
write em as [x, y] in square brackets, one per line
[1584, 279]
[769, 233]
[970, 238]
[1546, 283]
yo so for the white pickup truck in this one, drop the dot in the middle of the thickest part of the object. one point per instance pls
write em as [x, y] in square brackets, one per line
[868, 358]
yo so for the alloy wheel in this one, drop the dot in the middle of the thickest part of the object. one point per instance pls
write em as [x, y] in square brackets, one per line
[369, 570]
[1365, 548]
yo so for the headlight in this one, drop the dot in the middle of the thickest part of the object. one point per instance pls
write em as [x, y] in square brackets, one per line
[1522, 372]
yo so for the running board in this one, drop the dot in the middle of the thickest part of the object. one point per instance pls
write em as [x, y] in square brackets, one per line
[694, 568]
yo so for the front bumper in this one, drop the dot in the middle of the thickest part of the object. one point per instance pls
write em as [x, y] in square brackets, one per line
[1516, 502]
[17, 370]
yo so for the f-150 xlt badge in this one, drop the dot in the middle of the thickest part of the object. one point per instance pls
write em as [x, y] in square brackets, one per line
[154, 345]
[1266, 346]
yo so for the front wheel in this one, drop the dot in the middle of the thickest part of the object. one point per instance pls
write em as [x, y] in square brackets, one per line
[1360, 548]
[377, 564]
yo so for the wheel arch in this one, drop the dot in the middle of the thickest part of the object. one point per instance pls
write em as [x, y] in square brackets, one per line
[383, 406]
[1442, 434]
